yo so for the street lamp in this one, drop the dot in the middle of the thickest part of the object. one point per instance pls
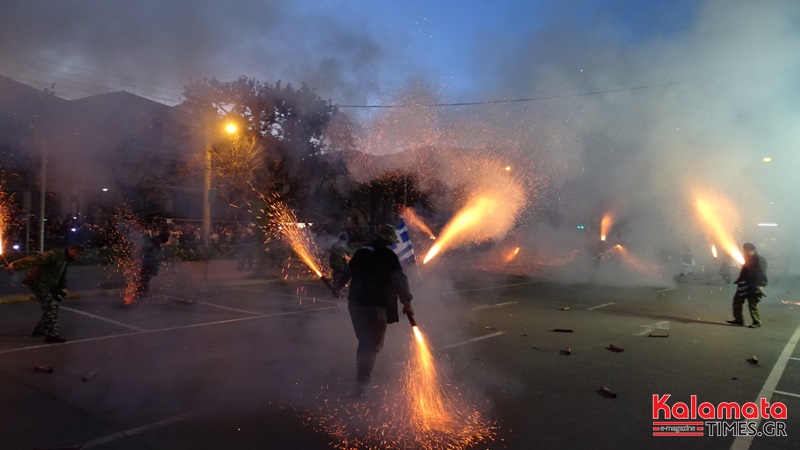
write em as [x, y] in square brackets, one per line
[230, 128]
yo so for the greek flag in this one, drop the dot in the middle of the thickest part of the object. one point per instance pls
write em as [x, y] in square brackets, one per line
[403, 250]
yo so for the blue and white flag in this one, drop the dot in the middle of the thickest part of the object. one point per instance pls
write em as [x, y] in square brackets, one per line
[403, 250]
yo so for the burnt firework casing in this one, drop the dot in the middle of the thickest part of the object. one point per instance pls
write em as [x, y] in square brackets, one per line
[411, 320]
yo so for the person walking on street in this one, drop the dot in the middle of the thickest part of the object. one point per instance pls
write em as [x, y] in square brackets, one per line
[47, 280]
[750, 286]
[151, 257]
[338, 259]
[378, 281]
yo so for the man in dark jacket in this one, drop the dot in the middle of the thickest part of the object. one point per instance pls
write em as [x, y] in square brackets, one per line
[47, 280]
[750, 286]
[378, 281]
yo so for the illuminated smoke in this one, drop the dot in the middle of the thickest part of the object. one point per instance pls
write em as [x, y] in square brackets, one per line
[283, 221]
[718, 216]
[494, 200]
[605, 226]
[413, 220]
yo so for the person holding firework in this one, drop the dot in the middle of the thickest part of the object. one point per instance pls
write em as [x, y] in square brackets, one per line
[378, 281]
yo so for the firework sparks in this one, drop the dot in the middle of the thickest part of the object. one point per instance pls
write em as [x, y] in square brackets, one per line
[605, 225]
[713, 213]
[283, 220]
[414, 220]
[714, 251]
[490, 211]
[429, 415]
[127, 240]
[5, 214]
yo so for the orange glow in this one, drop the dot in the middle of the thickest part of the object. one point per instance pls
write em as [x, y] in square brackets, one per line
[714, 250]
[413, 219]
[427, 413]
[298, 238]
[493, 200]
[5, 213]
[513, 254]
[713, 213]
[605, 226]
[634, 262]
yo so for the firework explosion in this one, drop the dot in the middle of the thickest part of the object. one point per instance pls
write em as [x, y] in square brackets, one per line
[714, 211]
[414, 221]
[605, 226]
[127, 239]
[282, 220]
[428, 415]
[494, 200]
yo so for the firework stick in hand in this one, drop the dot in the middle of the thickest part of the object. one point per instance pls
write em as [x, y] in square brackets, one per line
[330, 286]
[411, 319]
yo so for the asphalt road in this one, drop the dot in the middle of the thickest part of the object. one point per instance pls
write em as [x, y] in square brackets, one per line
[217, 359]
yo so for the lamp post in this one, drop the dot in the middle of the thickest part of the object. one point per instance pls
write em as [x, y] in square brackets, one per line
[230, 128]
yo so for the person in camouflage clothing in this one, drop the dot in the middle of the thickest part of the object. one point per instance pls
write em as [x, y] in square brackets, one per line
[750, 286]
[47, 280]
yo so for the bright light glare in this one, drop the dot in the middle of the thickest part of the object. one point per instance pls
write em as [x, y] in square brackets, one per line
[231, 128]
[766, 159]
[768, 224]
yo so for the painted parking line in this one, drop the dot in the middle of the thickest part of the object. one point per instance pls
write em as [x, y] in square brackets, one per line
[744, 442]
[663, 325]
[475, 339]
[294, 296]
[789, 394]
[496, 305]
[161, 330]
[104, 319]
[601, 306]
[228, 308]
[132, 431]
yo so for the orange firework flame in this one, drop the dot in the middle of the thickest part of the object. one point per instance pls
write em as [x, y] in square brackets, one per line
[512, 255]
[413, 219]
[299, 238]
[713, 213]
[605, 226]
[633, 261]
[427, 416]
[490, 210]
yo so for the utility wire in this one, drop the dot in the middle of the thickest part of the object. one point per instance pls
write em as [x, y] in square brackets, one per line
[516, 100]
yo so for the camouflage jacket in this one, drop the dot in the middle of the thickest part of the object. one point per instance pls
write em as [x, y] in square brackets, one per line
[47, 270]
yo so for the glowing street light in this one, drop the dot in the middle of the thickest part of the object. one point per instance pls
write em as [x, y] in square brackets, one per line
[230, 128]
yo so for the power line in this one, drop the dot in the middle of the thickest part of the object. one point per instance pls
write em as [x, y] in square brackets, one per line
[516, 100]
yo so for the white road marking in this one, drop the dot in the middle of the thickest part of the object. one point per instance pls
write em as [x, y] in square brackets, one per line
[475, 339]
[104, 319]
[496, 305]
[159, 330]
[133, 431]
[601, 306]
[790, 394]
[744, 442]
[230, 309]
[663, 325]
